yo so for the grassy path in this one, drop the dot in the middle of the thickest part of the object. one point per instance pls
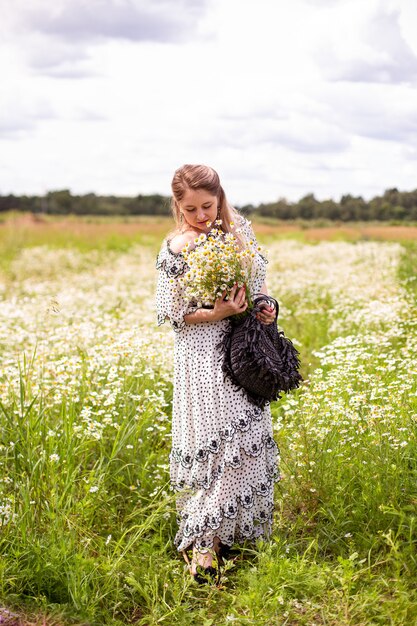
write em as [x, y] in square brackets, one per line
[86, 516]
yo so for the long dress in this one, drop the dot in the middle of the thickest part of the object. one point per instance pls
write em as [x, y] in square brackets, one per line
[223, 460]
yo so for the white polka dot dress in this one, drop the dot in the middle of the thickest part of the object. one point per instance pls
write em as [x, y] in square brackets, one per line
[224, 460]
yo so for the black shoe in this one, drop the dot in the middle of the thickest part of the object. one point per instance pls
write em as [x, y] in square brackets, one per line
[224, 551]
[206, 575]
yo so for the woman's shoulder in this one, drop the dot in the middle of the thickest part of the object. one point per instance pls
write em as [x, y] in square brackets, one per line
[170, 257]
[177, 242]
[171, 263]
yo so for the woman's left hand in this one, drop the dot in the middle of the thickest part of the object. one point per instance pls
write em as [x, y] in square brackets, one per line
[266, 315]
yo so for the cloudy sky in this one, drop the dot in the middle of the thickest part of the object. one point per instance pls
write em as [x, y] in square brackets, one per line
[281, 97]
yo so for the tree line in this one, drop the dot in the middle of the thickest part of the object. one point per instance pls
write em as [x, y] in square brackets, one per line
[391, 205]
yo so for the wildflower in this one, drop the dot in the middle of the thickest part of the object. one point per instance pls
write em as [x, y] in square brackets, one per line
[93, 489]
[54, 458]
[215, 265]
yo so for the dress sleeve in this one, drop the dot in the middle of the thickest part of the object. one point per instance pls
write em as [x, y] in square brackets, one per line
[171, 303]
[247, 231]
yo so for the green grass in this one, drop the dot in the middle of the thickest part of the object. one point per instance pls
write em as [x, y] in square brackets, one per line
[408, 267]
[88, 520]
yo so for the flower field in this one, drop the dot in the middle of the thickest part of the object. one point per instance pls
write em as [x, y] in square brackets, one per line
[86, 514]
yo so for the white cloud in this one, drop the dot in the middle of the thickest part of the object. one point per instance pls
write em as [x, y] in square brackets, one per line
[367, 45]
[57, 38]
[57, 58]
[133, 20]
[19, 117]
[89, 105]
[295, 131]
[373, 111]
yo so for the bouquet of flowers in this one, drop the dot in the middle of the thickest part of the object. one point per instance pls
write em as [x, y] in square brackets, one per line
[216, 263]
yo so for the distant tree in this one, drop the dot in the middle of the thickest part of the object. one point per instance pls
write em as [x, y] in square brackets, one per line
[9, 203]
[284, 210]
[353, 208]
[374, 208]
[391, 196]
[266, 210]
[154, 204]
[393, 204]
[408, 200]
[328, 209]
[59, 201]
[399, 212]
[86, 205]
[307, 206]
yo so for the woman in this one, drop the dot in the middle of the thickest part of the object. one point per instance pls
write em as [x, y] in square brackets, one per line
[223, 461]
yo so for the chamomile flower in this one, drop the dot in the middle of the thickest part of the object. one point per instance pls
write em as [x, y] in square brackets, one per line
[215, 264]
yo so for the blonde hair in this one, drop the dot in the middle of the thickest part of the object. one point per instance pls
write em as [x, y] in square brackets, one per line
[201, 177]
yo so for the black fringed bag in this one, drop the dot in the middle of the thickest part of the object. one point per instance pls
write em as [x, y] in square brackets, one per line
[258, 357]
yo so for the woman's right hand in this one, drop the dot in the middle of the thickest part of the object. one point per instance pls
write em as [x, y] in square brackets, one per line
[236, 303]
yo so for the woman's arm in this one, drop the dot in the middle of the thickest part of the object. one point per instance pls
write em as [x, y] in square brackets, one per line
[224, 308]
[236, 303]
[201, 315]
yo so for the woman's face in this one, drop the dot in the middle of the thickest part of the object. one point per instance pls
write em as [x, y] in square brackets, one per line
[198, 207]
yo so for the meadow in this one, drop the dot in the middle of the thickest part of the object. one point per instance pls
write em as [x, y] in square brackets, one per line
[86, 514]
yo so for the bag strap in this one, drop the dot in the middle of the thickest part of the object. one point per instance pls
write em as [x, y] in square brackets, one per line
[269, 300]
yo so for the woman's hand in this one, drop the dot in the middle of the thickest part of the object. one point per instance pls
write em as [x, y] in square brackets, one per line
[236, 303]
[266, 315]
